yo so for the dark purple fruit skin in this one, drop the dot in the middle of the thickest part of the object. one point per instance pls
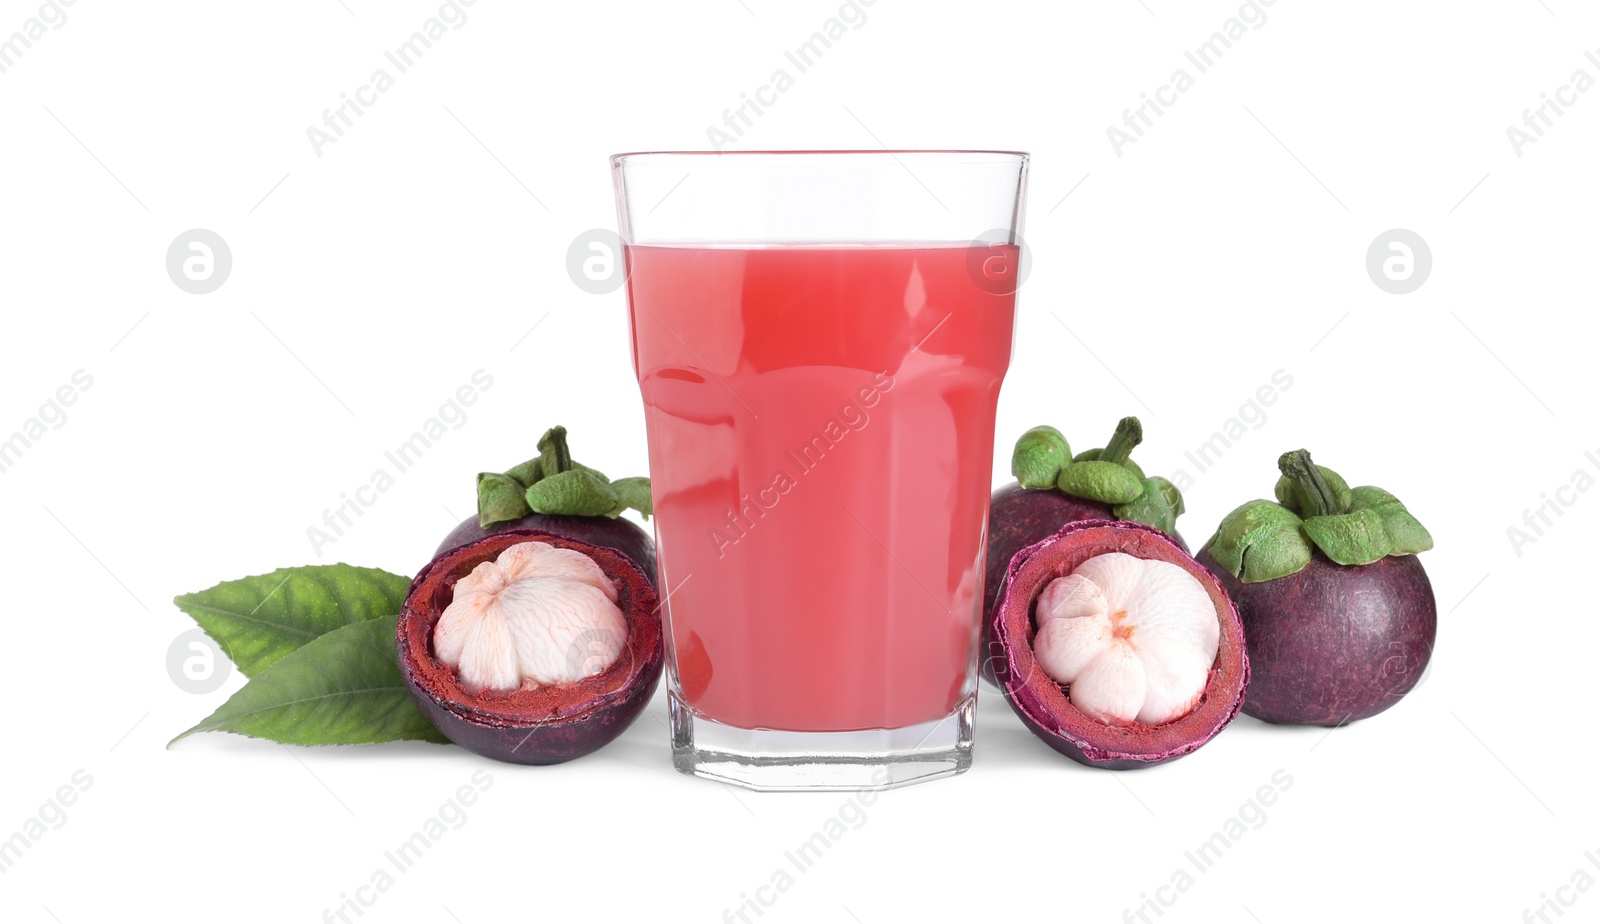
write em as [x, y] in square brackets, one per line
[561, 723]
[1042, 705]
[1019, 517]
[617, 533]
[1332, 644]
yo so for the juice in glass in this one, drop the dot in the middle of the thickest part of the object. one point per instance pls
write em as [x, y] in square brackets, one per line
[820, 338]
[821, 425]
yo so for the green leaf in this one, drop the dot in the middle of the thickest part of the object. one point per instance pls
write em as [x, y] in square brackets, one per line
[500, 499]
[343, 688]
[1260, 541]
[574, 492]
[635, 493]
[1038, 457]
[1106, 482]
[258, 620]
[1354, 538]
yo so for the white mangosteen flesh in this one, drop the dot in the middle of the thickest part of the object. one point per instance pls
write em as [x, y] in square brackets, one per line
[535, 616]
[1132, 639]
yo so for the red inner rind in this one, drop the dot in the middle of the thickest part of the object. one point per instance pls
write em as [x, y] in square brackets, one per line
[434, 589]
[1043, 701]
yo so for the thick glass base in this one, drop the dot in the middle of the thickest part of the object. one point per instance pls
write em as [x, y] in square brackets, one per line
[772, 760]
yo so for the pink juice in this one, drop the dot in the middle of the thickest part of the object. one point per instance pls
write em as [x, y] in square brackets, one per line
[821, 427]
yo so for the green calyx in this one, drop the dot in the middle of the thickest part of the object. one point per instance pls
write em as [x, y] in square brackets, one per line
[1043, 459]
[1316, 509]
[1157, 505]
[1260, 541]
[552, 483]
[1107, 475]
[1038, 457]
[1406, 535]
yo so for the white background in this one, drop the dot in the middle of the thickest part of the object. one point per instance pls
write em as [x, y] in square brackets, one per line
[1172, 281]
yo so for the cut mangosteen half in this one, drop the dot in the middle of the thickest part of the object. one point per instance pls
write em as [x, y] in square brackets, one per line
[531, 647]
[1054, 488]
[1137, 602]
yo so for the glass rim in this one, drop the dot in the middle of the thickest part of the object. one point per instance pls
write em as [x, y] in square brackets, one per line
[822, 155]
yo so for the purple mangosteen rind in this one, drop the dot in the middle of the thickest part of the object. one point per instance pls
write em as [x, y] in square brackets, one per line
[1054, 488]
[1326, 649]
[1043, 705]
[1338, 611]
[624, 536]
[1018, 518]
[531, 726]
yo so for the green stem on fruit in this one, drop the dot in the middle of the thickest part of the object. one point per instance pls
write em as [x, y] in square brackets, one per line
[552, 483]
[1317, 497]
[554, 456]
[1129, 434]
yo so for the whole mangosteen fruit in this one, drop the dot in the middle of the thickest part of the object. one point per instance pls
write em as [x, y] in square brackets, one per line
[1339, 615]
[1119, 650]
[554, 493]
[531, 647]
[1054, 488]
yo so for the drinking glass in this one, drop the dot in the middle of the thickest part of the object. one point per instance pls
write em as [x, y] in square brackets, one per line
[819, 339]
